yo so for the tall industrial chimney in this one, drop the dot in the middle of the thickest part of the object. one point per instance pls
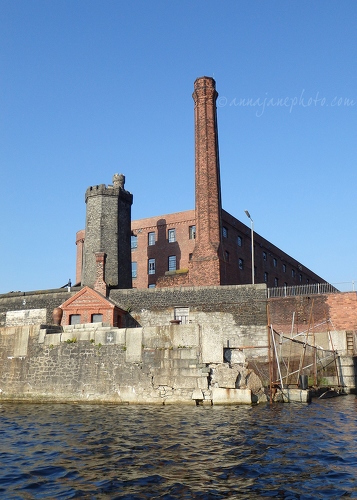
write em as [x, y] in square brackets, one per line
[206, 266]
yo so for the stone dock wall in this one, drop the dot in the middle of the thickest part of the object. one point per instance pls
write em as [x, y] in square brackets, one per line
[219, 356]
[168, 364]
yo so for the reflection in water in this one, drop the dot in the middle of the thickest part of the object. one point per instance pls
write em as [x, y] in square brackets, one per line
[178, 452]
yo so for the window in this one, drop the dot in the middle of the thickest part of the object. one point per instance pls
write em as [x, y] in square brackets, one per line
[300, 278]
[225, 232]
[172, 263]
[293, 273]
[74, 319]
[276, 282]
[266, 277]
[226, 256]
[240, 263]
[97, 318]
[134, 269]
[275, 262]
[284, 268]
[190, 255]
[192, 232]
[134, 242]
[152, 285]
[264, 256]
[307, 281]
[181, 314]
[239, 241]
[172, 235]
[151, 266]
[151, 239]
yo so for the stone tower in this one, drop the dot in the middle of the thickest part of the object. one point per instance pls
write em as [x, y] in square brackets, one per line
[107, 235]
[206, 262]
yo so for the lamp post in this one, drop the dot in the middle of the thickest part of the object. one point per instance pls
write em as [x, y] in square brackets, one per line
[252, 240]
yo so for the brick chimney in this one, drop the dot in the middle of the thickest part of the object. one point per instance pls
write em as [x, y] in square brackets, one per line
[100, 285]
[79, 258]
[205, 268]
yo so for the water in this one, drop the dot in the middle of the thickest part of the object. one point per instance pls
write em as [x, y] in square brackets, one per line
[289, 451]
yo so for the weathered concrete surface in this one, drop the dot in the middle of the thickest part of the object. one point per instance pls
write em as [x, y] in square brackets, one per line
[26, 317]
[221, 396]
[296, 396]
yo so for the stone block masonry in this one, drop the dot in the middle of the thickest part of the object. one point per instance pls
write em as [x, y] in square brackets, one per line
[235, 304]
[108, 230]
[93, 363]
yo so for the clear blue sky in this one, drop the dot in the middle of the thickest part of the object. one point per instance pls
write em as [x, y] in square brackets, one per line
[89, 88]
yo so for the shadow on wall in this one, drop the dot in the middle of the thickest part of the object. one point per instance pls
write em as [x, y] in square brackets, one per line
[131, 321]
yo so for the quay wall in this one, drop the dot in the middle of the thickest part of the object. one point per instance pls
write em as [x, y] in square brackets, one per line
[219, 355]
[93, 363]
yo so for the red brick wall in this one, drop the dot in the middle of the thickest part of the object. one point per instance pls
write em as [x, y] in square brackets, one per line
[100, 285]
[274, 264]
[230, 272]
[87, 302]
[181, 248]
[322, 312]
[343, 310]
[86, 309]
[180, 279]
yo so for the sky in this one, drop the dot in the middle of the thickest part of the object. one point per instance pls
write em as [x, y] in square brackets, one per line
[90, 88]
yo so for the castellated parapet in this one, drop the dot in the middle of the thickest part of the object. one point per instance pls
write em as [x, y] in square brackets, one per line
[108, 230]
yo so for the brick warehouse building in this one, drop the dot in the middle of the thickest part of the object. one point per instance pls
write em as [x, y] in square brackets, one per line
[201, 247]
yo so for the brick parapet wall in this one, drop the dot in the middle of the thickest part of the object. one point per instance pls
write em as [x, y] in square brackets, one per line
[322, 312]
[174, 279]
[343, 310]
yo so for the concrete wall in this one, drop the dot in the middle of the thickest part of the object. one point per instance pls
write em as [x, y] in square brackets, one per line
[26, 304]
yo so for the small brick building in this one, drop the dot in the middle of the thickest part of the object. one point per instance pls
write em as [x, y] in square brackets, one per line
[89, 306]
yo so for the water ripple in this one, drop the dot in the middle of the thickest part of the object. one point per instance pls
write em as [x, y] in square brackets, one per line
[286, 451]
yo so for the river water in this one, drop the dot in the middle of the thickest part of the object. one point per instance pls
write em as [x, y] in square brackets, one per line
[290, 451]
